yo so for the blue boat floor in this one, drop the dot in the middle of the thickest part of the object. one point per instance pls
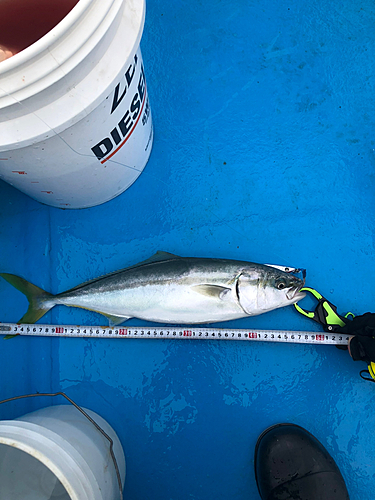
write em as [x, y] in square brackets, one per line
[264, 151]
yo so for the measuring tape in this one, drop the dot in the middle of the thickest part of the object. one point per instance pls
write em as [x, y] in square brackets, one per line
[163, 332]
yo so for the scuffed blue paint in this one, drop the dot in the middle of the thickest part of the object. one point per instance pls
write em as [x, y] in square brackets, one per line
[264, 151]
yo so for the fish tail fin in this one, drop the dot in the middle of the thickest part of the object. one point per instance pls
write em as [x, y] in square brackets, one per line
[39, 300]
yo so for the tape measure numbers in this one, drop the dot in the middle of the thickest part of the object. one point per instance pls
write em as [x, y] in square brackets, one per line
[185, 332]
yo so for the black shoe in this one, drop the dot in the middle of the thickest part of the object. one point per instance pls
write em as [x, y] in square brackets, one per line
[290, 464]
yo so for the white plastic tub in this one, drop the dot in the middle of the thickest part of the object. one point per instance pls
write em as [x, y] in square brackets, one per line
[56, 453]
[75, 120]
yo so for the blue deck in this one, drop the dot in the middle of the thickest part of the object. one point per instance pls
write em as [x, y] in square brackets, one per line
[264, 151]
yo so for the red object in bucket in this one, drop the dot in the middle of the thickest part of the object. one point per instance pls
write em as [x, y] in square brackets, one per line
[23, 22]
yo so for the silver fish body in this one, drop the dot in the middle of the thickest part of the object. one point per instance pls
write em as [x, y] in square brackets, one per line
[172, 289]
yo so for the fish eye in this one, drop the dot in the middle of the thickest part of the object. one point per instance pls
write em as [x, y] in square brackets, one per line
[281, 285]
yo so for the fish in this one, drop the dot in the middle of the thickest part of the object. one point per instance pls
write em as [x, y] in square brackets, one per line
[170, 289]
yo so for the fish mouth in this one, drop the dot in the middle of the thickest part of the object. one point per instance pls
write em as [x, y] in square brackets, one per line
[295, 294]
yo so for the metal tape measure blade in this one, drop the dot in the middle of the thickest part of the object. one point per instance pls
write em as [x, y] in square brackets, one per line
[186, 332]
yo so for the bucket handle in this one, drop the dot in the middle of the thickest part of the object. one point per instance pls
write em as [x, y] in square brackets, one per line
[88, 418]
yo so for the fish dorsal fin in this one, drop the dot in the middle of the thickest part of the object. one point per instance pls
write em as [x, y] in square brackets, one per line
[159, 256]
[214, 291]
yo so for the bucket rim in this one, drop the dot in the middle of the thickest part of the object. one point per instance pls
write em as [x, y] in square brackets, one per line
[43, 43]
[86, 30]
[29, 87]
[50, 449]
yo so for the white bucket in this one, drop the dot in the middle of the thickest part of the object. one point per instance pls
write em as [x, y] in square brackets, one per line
[56, 453]
[75, 120]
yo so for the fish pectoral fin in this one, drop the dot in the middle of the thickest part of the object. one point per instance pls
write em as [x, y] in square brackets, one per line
[116, 320]
[214, 291]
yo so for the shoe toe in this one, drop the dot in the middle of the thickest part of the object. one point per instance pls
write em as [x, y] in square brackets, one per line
[288, 460]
